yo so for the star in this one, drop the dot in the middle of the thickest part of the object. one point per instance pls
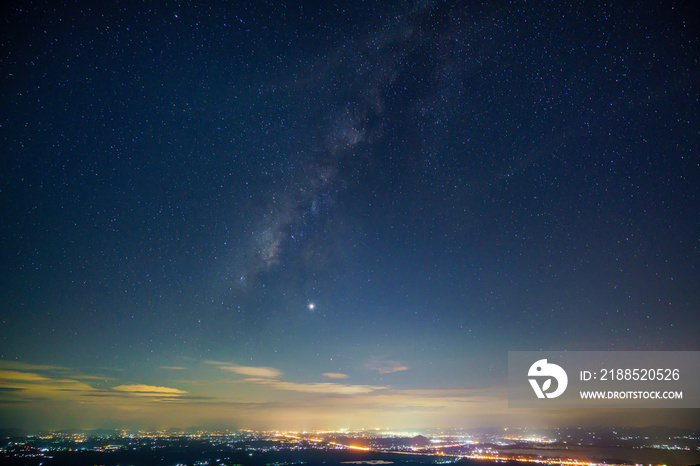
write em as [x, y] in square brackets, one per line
[311, 306]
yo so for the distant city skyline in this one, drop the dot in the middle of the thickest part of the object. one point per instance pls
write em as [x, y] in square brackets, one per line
[339, 215]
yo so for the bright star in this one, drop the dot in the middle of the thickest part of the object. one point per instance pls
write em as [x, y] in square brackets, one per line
[311, 306]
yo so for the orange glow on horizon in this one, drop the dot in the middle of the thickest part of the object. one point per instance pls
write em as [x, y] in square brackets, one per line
[531, 460]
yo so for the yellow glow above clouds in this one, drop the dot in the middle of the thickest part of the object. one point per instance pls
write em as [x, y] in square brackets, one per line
[31, 399]
[319, 387]
[149, 390]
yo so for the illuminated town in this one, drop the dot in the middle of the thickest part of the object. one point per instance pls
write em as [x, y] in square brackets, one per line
[571, 447]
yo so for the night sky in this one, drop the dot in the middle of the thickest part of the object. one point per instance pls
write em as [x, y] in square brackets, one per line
[326, 215]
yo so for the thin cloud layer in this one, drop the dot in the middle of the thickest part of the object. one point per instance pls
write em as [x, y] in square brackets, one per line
[149, 390]
[386, 367]
[16, 376]
[266, 372]
[329, 388]
[250, 371]
[257, 402]
[18, 386]
[21, 366]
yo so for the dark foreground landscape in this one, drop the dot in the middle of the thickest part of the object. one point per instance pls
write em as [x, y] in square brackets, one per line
[577, 447]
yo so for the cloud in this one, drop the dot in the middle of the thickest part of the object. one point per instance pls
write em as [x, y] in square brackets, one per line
[335, 375]
[47, 372]
[93, 377]
[21, 366]
[266, 372]
[386, 367]
[149, 390]
[16, 376]
[321, 388]
[29, 386]
[250, 371]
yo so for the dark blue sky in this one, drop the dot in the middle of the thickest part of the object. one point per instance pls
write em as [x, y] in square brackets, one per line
[443, 181]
